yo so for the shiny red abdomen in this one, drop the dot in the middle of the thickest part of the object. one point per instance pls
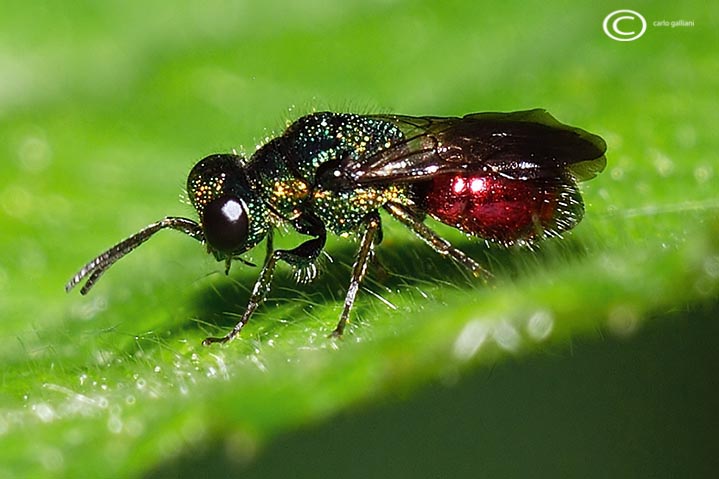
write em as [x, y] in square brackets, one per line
[497, 208]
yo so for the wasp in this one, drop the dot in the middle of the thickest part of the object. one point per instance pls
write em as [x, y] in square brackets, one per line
[508, 178]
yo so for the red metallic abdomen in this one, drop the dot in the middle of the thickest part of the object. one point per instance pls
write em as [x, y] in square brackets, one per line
[502, 209]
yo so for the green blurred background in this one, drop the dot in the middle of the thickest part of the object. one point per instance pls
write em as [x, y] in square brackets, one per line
[592, 356]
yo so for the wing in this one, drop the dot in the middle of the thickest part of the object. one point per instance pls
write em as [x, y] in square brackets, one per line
[519, 145]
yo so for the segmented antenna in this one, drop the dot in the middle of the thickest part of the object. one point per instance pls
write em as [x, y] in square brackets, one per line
[96, 267]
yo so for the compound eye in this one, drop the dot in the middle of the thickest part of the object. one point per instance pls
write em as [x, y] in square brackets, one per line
[224, 222]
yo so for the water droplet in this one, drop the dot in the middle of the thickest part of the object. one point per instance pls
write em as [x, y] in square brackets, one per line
[114, 424]
[540, 325]
[703, 173]
[662, 163]
[470, 339]
[507, 336]
[34, 153]
[44, 412]
[622, 321]
[51, 458]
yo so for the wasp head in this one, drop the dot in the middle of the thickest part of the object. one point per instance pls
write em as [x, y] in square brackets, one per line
[233, 218]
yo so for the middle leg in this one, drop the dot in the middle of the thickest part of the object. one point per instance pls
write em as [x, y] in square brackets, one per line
[372, 233]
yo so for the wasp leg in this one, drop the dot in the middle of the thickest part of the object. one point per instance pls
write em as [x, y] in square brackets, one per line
[372, 235]
[436, 242]
[305, 252]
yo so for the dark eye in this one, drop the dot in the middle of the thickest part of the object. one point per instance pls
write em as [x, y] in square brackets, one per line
[224, 222]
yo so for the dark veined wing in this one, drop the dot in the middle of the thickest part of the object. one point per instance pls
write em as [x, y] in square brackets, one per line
[521, 145]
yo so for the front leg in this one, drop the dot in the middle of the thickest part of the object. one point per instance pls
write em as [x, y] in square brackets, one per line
[306, 252]
[371, 236]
